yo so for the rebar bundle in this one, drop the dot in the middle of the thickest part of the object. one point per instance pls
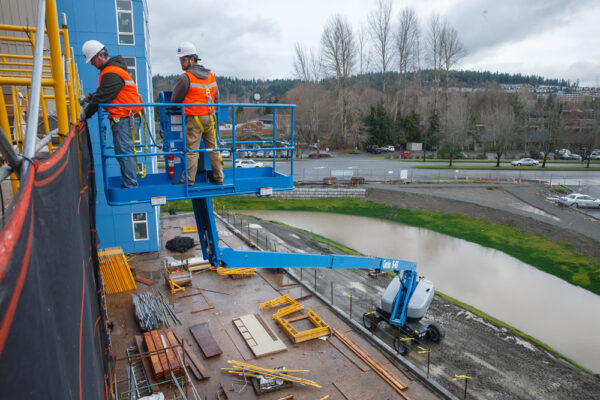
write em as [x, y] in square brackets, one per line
[153, 311]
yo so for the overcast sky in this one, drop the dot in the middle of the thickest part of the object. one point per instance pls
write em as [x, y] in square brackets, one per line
[255, 39]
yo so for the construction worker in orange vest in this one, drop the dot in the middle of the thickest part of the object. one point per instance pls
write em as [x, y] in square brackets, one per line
[197, 85]
[115, 85]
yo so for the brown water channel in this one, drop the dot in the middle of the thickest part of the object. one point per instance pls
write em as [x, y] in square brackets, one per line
[558, 313]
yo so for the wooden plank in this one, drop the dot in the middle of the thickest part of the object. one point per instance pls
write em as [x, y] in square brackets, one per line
[260, 319]
[162, 356]
[298, 318]
[154, 358]
[171, 357]
[205, 340]
[203, 309]
[146, 360]
[145, 281]
[379, 368]
[192, 356]
[177, 353]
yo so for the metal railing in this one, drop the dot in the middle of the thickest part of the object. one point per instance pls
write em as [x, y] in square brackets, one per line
[278, 139]
[47, 82]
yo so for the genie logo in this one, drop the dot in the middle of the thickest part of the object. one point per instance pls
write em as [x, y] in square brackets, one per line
[390, 264]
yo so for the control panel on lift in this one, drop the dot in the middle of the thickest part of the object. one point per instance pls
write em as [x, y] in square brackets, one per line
[162, 156]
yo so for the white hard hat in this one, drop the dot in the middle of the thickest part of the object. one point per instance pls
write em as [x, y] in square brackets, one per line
[90, 49]
[186, 49]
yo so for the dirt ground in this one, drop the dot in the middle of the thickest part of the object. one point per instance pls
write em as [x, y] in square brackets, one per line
[501, 364]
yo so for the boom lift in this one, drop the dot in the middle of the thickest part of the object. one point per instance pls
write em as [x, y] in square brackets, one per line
[405, 300]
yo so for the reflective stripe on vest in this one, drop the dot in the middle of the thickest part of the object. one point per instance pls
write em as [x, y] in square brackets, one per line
[127, 95]
[201, 91]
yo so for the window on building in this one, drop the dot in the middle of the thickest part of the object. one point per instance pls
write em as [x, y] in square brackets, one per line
[125, 22]
[130, 61]
[140, 226]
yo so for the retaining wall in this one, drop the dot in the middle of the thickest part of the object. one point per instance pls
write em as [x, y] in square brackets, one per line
[309, 193]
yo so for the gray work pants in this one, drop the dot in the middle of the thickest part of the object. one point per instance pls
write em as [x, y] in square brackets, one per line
[123, 141]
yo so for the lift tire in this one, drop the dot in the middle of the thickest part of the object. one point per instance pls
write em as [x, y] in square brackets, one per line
[400, 346]
[435, 333]
[370, 321]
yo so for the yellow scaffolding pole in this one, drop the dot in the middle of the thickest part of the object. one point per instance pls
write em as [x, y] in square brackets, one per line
[57, 68]
[14, 182]
[70, 92]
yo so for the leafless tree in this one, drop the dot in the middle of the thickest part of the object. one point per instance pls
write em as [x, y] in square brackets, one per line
[338, 50]
[406, 39]
[313, 109]
[434, 55]
[363, 53]
[307, 66]
[451, 51]
[380, 28]
[499, 123]
[456, 126]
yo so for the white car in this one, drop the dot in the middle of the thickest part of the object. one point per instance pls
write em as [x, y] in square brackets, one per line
[595, 155]
[248, 164]
[579, 200]
[529, 162]
[225, 153]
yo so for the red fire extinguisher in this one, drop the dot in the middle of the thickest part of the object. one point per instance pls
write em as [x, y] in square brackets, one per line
[171, 165]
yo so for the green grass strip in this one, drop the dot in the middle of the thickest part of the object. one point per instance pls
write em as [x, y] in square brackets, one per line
[556, 258]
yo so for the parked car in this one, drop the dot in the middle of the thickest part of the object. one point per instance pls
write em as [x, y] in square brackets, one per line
[579, 200]
[529, 162]
[225, 153]
[389, 148]
[405, 154]
[595, 155]
[372, 148]
[259, 153]
[249, 163]
[570, 156]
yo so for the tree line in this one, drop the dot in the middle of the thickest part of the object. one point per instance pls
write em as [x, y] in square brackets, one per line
[394, 80]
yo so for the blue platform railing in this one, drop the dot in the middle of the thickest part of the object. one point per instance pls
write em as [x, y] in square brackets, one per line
[156, 187]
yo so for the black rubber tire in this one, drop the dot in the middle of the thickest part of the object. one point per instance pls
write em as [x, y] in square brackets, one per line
[370, 321]
[435, 333]
[400, 346]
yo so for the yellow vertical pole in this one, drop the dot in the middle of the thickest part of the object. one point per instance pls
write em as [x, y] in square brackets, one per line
[70, 91]
[17, 119]
[57, 69]
[6, 128]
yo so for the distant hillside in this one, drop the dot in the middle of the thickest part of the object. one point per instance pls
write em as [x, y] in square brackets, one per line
[243, 90]
[235, 89]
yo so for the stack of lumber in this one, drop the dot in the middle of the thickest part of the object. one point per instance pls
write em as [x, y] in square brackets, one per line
[379, 368]
[115, 271]
[165, 354]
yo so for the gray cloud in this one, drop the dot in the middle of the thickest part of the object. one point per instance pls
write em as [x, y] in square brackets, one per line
[224, 37]
[483, 25]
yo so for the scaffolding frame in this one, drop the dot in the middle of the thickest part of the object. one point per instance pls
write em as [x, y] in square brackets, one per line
[35, 81]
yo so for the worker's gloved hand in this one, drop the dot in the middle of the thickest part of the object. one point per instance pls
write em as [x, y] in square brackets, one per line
[85, 98]
[82, 116]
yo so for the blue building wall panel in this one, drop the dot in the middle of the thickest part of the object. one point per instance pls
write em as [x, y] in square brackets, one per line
[97, 19]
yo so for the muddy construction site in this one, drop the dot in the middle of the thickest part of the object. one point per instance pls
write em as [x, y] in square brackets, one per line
[502, 365]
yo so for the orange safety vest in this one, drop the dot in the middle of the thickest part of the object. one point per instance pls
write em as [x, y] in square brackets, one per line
[127, 95]
[202, 91]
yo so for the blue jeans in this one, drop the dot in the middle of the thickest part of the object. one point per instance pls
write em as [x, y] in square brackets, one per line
[123, 142]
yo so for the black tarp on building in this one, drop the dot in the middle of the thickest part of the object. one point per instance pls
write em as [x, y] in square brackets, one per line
[53, 341]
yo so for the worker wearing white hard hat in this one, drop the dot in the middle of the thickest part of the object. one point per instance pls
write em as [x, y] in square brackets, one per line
[197, 85]
[115, 86]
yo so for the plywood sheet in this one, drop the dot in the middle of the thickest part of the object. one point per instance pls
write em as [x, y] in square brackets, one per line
[258, 336]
